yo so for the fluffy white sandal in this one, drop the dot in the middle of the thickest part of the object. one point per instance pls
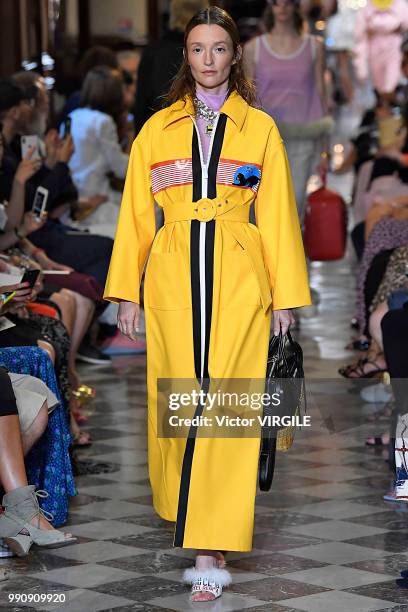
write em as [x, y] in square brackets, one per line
[208, 581]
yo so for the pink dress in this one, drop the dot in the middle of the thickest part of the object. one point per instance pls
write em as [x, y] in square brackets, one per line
[377, 45]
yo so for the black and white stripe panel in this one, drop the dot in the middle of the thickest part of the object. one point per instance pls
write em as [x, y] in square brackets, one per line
[201, 268]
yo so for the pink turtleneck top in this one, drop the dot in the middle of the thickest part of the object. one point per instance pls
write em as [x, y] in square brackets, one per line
[214, 101]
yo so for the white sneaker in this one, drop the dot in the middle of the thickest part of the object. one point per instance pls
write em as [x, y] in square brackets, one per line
[378, 393]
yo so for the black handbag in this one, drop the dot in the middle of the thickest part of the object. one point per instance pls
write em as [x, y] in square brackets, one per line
[285, 361]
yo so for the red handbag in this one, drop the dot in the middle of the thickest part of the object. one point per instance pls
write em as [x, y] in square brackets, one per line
[325, 232]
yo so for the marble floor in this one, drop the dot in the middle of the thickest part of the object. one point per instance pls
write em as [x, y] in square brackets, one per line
[324, 538]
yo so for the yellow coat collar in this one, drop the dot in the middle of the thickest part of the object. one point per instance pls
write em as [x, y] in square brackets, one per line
[234, 107]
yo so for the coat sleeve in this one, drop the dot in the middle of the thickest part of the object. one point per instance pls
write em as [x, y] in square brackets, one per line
[278, 223]
[136, 226]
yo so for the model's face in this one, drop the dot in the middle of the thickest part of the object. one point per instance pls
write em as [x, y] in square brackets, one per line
[283, 11]
[210, 54]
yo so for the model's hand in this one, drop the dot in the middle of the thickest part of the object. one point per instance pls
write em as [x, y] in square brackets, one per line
[282, 320]
[128, 319]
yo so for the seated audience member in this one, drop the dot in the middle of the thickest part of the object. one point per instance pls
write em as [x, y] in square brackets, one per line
[54, 173]
[364, 144]
[97, 148]
[394, 327]
[73, 309]
[32, 329]
[76, 307]
[395, 333]
[387, 192]
[362, 157]
[86, 254]
[55, 244]
[13, 208]
[391, 294]
[95, 56]
[23, 420]
[383, 209]
[31, 347]
[125, 123]
[387, 236]
[128, 57]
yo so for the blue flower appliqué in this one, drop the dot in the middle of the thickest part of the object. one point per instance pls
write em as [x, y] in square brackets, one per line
[247, 176]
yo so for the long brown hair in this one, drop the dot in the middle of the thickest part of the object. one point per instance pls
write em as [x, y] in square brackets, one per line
[102, 91]
[183, 84]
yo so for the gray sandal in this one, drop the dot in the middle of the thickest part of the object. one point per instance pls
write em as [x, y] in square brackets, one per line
[20, 507]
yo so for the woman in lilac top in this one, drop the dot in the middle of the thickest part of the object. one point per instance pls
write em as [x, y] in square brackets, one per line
[288, 69]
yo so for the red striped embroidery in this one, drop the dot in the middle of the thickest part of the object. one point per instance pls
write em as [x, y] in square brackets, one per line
[171, 173]
[176, 172]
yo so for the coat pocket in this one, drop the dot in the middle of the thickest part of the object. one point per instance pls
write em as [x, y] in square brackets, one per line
[239, 285]
[167, 282]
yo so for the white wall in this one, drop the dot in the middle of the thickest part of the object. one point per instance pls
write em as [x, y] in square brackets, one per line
[105, 17]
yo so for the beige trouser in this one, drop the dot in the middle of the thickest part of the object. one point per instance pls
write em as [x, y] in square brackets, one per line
[31, 393]
[302, 155]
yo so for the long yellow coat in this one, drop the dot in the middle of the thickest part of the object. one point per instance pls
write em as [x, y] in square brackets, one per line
[211, 281]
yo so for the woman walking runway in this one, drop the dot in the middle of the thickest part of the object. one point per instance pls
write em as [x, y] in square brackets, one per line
[288, 67]
[212, 279]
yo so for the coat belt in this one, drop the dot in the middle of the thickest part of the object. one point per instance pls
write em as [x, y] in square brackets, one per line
[221, 209]
[206, 209]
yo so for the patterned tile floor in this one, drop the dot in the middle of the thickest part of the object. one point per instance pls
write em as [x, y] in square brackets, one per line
[324, 538]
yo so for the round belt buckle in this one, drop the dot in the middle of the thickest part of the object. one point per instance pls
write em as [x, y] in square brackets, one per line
[206, 209]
